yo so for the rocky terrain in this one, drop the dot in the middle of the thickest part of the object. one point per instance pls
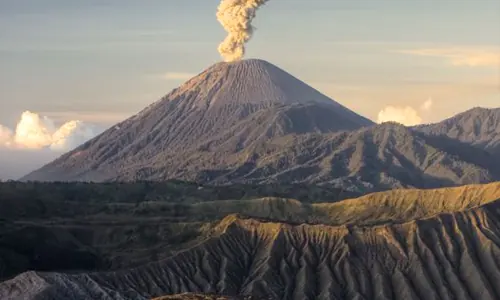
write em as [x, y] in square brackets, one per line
[479, 127]
[249, 122]
[98, 227]
[205, 297]
[226, 109]
[401, 244]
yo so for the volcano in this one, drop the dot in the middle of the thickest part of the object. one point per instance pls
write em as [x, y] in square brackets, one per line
[228, 108]
[249, 122]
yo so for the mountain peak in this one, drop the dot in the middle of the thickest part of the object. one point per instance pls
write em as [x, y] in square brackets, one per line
[474, 117]
[229, 108]
[478, 126]
[245, 63]
[250, 81]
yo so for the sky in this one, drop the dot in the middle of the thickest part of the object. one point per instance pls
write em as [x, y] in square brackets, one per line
[70, 69]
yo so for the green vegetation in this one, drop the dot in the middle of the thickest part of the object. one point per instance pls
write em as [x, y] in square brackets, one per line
[103, 226]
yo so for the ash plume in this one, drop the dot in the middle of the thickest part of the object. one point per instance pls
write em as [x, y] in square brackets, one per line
[236, 17]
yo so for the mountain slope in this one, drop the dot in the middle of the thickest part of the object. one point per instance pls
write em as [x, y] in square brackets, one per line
[370, 159]
[448, 250]
[229, 106]
[190, 296]
[251, 122]
[479, 127]
[101, 227]
[377, 157]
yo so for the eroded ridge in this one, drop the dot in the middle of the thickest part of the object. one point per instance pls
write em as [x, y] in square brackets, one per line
[447, 256]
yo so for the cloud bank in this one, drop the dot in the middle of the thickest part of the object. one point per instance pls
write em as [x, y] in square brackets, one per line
[35, 132]
[5, 135]
[461, 56]
[178, 76]
[406, 115]
[36, 140]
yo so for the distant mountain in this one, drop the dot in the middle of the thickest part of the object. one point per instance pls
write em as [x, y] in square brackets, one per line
[479, 127]
[369, 159]
[225, 109]
[251, 122]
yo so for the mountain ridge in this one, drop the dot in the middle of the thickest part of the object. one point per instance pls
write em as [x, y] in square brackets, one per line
[250, 101]
[478, 126]
[269, 259]
[251, 122]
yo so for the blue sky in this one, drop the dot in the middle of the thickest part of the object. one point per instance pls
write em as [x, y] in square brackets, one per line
[102, 61]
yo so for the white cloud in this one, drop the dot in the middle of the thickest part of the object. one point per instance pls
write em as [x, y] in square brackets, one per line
[462, 56]
[406, 115]
[178, 76]
[33, 131]
[40, 132]
[5, 136]
[72, 134]
[427, 105]
[94, 117]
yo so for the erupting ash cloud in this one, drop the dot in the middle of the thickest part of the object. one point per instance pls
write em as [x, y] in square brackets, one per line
[236, 17]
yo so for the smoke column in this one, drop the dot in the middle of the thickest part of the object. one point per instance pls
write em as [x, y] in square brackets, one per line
[236, 17]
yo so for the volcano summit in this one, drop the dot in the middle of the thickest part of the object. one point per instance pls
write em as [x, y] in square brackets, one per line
[192, 131]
